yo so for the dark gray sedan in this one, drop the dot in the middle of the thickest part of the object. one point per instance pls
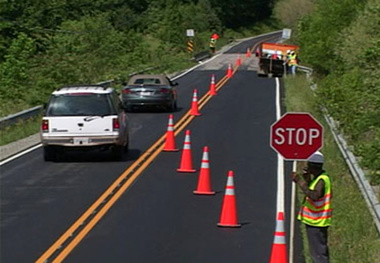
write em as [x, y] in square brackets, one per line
[150, 90]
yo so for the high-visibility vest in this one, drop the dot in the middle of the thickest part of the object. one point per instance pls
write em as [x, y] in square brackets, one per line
[317, 213]
[293, 60]
[212, 42]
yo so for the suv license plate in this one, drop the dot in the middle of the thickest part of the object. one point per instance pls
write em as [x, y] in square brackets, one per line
[80, 140]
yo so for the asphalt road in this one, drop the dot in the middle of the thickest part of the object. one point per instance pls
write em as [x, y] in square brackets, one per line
[158, 218]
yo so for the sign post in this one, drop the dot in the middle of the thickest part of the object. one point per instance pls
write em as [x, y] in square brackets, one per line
[190, 42]
[296, 136]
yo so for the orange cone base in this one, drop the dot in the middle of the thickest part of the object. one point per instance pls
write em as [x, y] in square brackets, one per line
[196, 114]
[170, 150]
[227, 225]
[203, 193]
[279, 254]
[186, 170]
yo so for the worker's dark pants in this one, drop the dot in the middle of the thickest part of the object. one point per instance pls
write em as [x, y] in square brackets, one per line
[317, 237]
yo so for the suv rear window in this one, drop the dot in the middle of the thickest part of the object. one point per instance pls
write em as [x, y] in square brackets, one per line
[78, 104]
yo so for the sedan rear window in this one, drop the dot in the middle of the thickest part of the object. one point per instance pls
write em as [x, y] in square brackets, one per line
[147, 81]
[80, 105]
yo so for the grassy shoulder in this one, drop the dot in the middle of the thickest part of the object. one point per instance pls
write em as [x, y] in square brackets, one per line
[352, 236]
[20, 130]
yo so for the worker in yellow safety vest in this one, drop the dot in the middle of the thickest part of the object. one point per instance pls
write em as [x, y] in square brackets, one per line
[316, 210]
[292, 62]
[212, 44]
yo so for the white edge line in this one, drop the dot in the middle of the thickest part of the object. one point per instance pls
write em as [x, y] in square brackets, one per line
[280, 159]
[20, 154]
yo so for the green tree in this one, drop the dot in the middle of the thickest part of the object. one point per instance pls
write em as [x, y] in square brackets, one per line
[317, 33]
[13, 70]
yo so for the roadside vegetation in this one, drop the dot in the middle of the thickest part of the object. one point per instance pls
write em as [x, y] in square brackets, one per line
[20, 130]
[47, 44]
[340, 40]
[352, 236]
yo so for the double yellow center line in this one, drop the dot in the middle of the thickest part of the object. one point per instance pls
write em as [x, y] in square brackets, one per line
[84, 224]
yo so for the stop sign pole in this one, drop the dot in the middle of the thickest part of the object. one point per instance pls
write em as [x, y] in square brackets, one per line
[296, 136]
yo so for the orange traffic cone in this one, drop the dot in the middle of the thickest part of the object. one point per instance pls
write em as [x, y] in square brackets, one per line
[229, 71]
[186, 160]
[212, 85]
[170, 141]
[194, 104]
[248, 54]
[204, 181]
[228, 217]
[279, 254]
[238, 61]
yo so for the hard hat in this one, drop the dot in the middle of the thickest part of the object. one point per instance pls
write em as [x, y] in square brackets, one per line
[288, 51]
[317, 157]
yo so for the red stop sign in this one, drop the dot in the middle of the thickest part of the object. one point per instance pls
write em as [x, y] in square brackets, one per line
[296, 136]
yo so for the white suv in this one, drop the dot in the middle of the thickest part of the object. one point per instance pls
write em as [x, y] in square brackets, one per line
[84, 117]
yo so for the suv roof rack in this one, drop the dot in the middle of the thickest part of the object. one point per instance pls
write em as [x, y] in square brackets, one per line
[82, 86]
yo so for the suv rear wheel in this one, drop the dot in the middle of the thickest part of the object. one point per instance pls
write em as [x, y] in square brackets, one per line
[50, 154]
[117, 152]
[126, 146]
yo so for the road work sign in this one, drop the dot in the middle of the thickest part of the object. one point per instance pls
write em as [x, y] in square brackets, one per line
[286, 33]
[296, 136]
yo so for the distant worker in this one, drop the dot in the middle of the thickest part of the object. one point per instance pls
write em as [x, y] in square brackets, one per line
[214, 38]
[292, 62]
[257, 52]
[316, 210]
[212, 45]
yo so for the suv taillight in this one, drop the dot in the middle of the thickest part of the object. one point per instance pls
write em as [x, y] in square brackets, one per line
[45, 126]
[115, 124]
[127, 91]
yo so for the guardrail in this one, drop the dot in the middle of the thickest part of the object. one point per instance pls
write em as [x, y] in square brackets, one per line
[356, 171]
[23, 115]
[351, 161]
[201, 56]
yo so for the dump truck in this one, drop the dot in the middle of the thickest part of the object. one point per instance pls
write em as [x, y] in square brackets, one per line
[272, 58]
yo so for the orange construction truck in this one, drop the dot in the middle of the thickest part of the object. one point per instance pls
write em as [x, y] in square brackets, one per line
[272, 58]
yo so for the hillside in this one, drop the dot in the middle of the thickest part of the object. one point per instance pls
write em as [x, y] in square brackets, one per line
[46, 44]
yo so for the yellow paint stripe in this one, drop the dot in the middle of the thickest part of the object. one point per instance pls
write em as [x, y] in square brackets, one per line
[180, 125]
[104, 210]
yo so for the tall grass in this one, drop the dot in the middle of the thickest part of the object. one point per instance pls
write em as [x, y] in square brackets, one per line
[20, 130]
[352, 235]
